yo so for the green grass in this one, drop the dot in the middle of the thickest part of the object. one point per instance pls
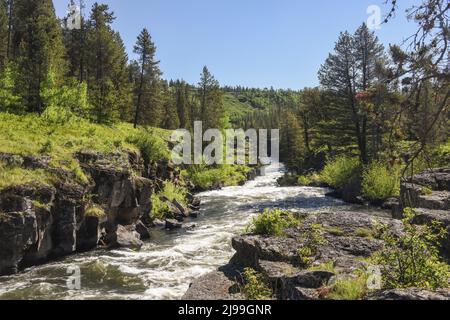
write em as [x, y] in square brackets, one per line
[365, 233]
[95, 211]
[349, 289]
[335, 231]
[33, 135]
[328, 266]
[11, 176]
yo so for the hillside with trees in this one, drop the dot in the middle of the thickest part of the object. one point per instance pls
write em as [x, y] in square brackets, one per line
[85, 157]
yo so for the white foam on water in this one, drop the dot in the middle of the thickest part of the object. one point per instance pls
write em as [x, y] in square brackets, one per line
[168, 265]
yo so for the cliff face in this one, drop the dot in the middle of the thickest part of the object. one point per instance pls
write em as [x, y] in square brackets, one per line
[42, 222]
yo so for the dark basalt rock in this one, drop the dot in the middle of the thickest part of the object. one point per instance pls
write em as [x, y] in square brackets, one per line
[142, 230]
[18, 233]
[172, 224]
[38, 222]
[277, 258]
[435, 179]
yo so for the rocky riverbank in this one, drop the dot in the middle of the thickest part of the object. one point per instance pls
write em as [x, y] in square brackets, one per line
[349, 240]
[39, 222]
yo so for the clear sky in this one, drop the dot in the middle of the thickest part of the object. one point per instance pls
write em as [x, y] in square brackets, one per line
[254, 43]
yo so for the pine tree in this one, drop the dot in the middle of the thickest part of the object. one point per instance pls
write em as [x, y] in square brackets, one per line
[107, 71]
[37, 48]
[183, 103]
[75, 42]
[170, 118]
[348, 73]
[291, 144]
[9, 100]
[212, 112]
[3, 33]
[147, 88]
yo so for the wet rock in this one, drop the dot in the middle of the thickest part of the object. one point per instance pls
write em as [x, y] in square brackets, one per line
[89, 233]
[193, 214]
[410, 294]
[18, 233]
[142, 230]
[172, 224]
[158, 223]
[125, 237]
[180, 209]
[191, 227]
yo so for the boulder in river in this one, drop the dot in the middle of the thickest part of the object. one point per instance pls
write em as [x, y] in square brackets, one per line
[172, 224]
[125, 237]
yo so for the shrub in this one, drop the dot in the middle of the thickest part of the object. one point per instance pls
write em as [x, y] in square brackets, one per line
[412, 260]
[288, 180]
[273, 222]
[160, 208]
[153, 148]
[312, 179]
[224, 175]
[380, 182]
[256, 286]
[340, 171]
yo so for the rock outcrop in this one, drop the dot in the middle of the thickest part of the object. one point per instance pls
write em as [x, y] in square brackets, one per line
[429, 194]
[349, 238]
[40, 222]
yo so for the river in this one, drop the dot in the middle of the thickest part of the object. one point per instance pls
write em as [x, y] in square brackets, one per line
[167, 264]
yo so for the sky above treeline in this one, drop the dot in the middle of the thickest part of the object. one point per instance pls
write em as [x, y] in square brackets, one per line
[252, 43]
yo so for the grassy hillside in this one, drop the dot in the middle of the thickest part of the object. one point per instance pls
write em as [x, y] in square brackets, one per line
[40, 136]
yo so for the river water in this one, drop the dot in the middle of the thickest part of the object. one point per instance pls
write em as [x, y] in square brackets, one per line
[167, 264]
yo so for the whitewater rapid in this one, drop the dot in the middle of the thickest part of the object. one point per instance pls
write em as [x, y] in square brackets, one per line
[167, 264]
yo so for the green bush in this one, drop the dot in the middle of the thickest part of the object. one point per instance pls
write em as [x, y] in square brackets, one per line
[341, 171]
[153, 147]
[273, 222]
[160, 208]
[412, 260]
[256, 286]
[380, 182]
[205, 178]
[288, 180]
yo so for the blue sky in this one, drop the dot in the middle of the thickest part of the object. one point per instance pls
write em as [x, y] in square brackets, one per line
[254, 43]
